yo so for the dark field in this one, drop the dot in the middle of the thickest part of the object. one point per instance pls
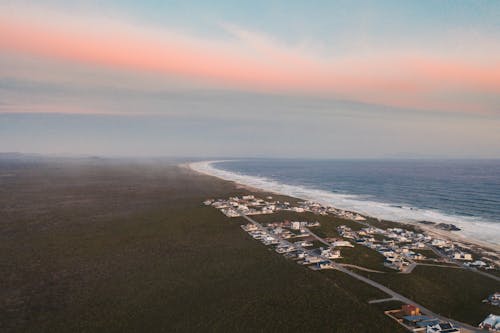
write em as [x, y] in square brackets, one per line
[105, 246]
[455, 293]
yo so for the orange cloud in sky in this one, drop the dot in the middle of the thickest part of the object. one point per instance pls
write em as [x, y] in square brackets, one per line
[254, 62]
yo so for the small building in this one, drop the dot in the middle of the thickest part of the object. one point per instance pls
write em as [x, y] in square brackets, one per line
[331, 253]
[325, 264]
[492, 323]
[442, 328]
[478, 263]
[462, 256]
[494, 299]
[413, 320]
[410, 310]
[342, 243]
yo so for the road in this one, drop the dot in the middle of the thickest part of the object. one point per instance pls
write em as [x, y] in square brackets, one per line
[319, 239]
[362, 268]
[382, 300]
[408, 269]
[390, 292]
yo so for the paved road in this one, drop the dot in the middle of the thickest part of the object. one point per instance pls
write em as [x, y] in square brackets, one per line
[382, 300]
[437, 265]
[362, 268]
[404, 299]
[390, 292]
[319, 239]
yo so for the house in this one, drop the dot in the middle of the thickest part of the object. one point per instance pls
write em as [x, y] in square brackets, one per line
[478, 263]
[415, 256]
[438, 242]
[492, 323]
[304, 243]
[250, 227]
[494, 299]
[278, 230]
[422, 325]
[413, 320]
[495, 296]
[325, 264]
[410, 310]
[309, 259]
[442, 328]
[330, 253]
[342, 243]
[462, 256]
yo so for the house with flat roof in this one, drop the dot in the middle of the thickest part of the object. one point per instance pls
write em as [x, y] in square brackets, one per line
[492, 323]
[442, 328]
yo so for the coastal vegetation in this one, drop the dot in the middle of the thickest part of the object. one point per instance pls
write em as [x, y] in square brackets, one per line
[452, 292]
[98, 245]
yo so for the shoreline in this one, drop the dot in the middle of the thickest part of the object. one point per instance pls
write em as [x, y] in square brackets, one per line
[448, 235]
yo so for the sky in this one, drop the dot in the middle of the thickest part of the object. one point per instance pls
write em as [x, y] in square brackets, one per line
[312, 79]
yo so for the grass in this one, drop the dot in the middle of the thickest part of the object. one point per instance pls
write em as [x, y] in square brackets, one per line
[97, 245]
[389, 305]
[452, 292]
[384, 224]
[362, 256]
[429, 254]
[354, 287]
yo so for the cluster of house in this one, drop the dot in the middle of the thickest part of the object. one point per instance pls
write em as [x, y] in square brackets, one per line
[411, 318]
[458, 252]
[293, 240]
[452, 250]
[493, 299]
[250, 205]
[316, 208]
[247, 204]
[491, 323]
[398, 246]
[395, 244]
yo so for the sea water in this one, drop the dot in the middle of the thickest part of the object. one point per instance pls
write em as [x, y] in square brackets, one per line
[462, 192]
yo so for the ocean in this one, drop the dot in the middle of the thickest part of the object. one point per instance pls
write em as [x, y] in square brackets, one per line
[462, 192]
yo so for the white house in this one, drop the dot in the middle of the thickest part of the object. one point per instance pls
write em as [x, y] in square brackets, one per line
[342, 243]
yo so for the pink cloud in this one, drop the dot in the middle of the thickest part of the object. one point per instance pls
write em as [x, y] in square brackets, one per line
[255, 62]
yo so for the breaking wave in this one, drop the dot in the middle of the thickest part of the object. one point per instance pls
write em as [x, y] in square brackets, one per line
[472, 227]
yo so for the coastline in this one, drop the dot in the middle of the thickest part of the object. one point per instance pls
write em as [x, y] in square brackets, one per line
[204, 167]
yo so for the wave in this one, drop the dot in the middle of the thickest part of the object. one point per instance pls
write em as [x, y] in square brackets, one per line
[472, 227]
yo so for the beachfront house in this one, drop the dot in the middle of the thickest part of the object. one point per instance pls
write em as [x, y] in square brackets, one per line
[462, 256]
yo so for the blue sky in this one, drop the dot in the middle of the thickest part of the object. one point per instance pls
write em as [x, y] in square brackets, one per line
[327, 79]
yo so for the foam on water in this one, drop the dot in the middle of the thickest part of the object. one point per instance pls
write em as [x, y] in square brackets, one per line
[472, 227]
